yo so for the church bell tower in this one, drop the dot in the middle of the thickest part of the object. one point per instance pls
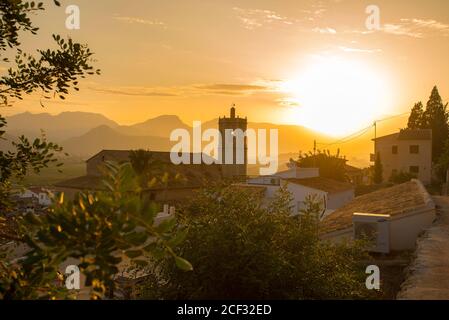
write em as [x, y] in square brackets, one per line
[237, 169]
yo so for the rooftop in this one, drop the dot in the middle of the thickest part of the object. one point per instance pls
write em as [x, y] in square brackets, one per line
[323, 184]
[410, 134]
[123, 155]
[396, 200]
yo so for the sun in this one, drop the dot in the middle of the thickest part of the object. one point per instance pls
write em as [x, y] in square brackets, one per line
[336, 96]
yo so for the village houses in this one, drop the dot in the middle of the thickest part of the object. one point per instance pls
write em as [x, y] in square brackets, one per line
[407, 151]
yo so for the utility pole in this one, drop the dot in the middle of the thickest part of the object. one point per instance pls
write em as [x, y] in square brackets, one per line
[375, 130]
[314, 153]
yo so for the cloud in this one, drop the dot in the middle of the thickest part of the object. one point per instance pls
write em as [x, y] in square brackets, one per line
[134, 91]
[288, 102]
[233, 87]
[429, 24]
[417, 28]
[414, 28]
[401, 30]
[325, 30]
[184, 91]
[136, 20]
[348, 49]
[256, 18]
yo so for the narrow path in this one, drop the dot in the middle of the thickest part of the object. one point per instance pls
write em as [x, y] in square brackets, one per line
[428, 274]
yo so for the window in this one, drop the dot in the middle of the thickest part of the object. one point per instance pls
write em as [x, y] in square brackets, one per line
[414, 149]
[414, 169]
[394, 149]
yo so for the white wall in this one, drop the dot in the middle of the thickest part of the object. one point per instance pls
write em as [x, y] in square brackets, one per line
[300, 193]
[28, 194]
[338, 200]
[299, 173]
[404, 229]
[44, 199]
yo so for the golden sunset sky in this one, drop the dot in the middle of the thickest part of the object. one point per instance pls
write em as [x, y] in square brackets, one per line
[312, 63]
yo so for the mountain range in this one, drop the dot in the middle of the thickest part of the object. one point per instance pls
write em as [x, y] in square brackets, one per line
[84, 134]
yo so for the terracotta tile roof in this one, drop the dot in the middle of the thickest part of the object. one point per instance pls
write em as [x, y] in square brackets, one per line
[123, 155]
[394, 201]
[82, 183]
[113, 155]
[323, 184]
[191, 176]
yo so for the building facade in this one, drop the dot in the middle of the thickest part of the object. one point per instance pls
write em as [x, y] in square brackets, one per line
[408, 151]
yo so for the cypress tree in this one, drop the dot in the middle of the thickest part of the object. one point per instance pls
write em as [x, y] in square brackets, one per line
[436, 118]
[415, 120]
[378, 170]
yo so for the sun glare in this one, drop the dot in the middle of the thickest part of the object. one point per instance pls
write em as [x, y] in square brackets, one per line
[336, 96]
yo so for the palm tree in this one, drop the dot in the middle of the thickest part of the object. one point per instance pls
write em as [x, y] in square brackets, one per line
[146, 167]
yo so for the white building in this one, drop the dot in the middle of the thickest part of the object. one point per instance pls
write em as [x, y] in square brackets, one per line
[408, 151]
[38, 193]
[304, 182]
[394, 217]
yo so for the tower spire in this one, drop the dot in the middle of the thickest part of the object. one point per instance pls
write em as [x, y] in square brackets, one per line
[233, 111]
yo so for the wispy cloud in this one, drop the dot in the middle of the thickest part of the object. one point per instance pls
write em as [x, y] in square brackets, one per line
[253, 19]
[325, 30]
[137, 20]
[256, 18]
[134, 91]
[184, 91]
[233, 87]
[414, 28]
[358, 50]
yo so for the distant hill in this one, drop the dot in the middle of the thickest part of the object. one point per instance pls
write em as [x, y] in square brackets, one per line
[160, 126]
[291, 138]
[84, 134]
[56, 127]
[104, 137]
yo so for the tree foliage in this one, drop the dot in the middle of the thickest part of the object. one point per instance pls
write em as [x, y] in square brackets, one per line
[52, 72]
[149, 170]
[401, 177]
[443, 163]
[241, 248]
[332, 166]
[435, 117]
[415, 120]
[378, 169]
[99, 230]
